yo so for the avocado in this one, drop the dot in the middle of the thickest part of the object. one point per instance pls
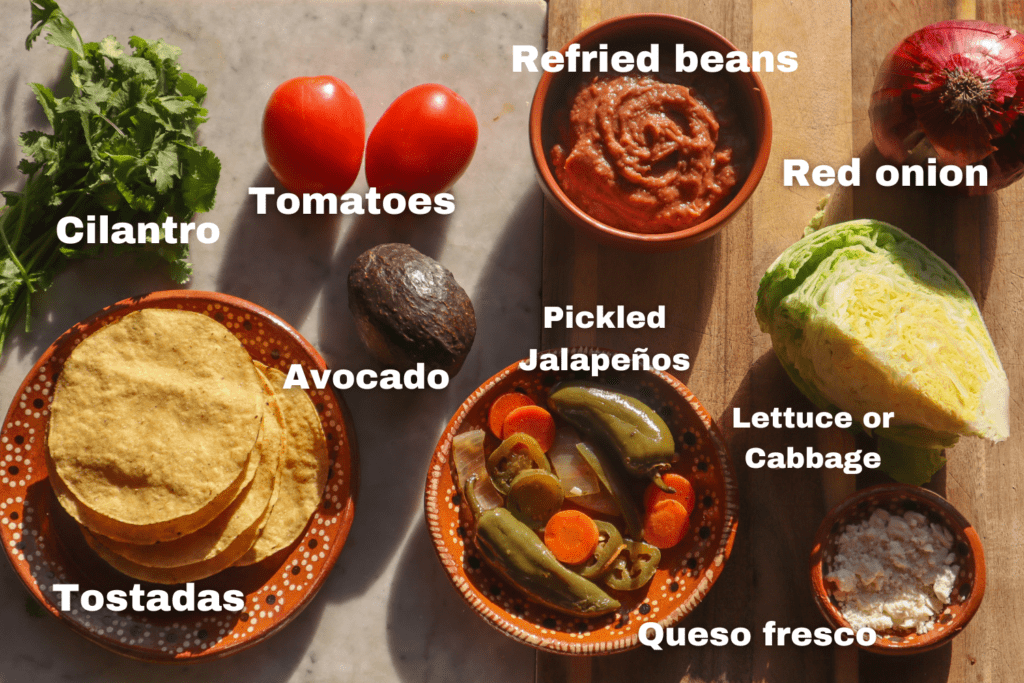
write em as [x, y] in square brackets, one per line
[409, 309]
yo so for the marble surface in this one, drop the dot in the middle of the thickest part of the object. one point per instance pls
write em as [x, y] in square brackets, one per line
[387, 611]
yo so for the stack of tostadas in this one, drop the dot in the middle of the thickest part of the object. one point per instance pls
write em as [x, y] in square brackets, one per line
[178, 454]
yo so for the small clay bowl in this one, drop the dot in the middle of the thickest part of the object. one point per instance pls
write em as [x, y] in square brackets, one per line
[686, 572]
[897, 499]
[636, 32]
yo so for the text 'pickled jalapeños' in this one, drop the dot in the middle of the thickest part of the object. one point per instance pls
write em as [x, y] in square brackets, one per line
[515, 552]
[638, 435]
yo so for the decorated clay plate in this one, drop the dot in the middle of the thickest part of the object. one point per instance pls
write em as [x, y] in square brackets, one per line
[898, 499]
[685, 573]
[45, 546]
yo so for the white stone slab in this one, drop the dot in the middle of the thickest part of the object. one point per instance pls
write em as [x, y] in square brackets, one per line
[387, 612]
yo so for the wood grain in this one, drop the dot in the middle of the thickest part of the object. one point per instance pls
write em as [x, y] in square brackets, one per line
[819, 114]
[973, 234]
[709, 294]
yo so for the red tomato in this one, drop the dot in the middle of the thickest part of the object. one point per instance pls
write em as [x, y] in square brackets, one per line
[422, 143]
[313, 132]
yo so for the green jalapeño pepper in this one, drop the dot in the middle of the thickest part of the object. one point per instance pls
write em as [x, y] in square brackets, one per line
[516, 453]
[609, 545]
[635, 432]
[613, 483]
[634, 567]
[515, 552]
[535, 495]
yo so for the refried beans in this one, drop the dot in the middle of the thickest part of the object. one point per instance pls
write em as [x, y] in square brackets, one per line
[645, 155]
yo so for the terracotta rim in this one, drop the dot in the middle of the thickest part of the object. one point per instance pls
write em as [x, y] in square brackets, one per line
[653, 242]
[328, 528]
[962, 530]
[439, 475]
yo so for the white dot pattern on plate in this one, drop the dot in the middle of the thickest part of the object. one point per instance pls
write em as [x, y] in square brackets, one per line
[28, 535]
[678, 586]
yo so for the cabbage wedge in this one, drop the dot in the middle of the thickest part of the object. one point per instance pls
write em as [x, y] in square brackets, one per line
[865, 318]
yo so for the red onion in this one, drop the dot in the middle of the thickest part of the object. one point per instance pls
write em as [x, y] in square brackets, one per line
[955, 91]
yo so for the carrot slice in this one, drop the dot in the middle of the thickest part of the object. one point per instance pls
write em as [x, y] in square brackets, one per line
[572, 536]
[684, 492]
[502, 406]
[532, 420]
[666, 523]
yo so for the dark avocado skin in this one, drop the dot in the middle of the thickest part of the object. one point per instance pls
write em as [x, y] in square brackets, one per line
[409, 309]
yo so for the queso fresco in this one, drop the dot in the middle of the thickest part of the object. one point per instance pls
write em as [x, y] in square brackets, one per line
[646, 155]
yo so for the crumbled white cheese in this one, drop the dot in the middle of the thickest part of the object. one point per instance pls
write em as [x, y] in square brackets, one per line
[893, 572]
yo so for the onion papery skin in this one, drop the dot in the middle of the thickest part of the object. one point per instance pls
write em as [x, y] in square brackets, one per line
[912, 101]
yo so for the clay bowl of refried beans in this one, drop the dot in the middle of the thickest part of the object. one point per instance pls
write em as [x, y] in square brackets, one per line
[649, 161]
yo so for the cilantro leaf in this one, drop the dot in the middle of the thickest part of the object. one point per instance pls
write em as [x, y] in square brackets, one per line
[47, 101]
[199, 184]
[165, 170]
[110, 48]
[123, 143]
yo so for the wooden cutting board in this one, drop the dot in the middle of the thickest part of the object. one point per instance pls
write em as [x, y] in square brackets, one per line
[819, 114]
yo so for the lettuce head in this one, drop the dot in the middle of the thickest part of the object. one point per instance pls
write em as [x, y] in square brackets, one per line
[864, 318]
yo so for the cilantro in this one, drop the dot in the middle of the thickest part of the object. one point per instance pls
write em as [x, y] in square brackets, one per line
[123, 144]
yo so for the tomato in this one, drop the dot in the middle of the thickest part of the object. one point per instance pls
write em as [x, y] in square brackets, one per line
[313, 132]
[422, 143]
